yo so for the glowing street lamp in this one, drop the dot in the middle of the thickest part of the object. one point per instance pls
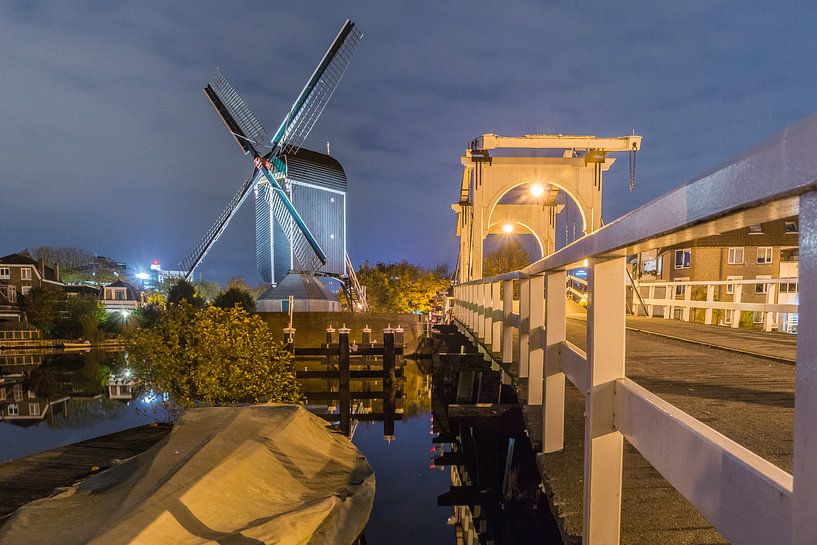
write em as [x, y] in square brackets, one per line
[507, 228]
[537, 190]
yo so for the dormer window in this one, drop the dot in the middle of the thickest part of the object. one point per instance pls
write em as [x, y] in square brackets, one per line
[5, 273]
[756, 229]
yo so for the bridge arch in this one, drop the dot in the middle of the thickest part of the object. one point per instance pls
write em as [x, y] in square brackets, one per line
[506, 188]
[529, 229]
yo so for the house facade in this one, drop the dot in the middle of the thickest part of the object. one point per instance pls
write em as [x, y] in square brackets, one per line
[120, 297]
[731, 267]
[19, 274]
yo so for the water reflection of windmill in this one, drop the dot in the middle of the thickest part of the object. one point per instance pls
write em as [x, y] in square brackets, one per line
[300, 195]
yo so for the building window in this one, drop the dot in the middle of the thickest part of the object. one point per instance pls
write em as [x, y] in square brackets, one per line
[34, 409]
[757, 317]
[791, 227]
[683, 258]
[24, 290]
[680, 291]
[18, 392]
[762, 288]
[11, 293]
[13, 410]
[119, 295]
[25, 273]
[5, 273]
[31, 394]
[659, 267]
[730, 288]
[764, 254]
[736, 256]
[755, 229]
[788, 287]
[2, 393]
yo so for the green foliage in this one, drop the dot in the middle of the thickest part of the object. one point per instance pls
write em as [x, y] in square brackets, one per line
[212, 357]
[182, 291]
[41, 307]
[402, 287]
[235, 296]
[207, 289]
[511, 256]
[78, 266]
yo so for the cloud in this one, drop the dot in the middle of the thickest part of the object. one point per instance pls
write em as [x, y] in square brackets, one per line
[108, 143]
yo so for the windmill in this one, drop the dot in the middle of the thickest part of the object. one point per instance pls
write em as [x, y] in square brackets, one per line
[269, 180]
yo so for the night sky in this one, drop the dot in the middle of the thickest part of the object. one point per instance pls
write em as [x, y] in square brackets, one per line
[107, 142]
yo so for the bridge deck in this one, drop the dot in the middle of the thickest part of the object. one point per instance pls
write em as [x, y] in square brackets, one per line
[749, 399]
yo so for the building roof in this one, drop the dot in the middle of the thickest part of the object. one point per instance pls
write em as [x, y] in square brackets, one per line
[315, 168]
[81, 289]
[19, 259]
[302, 286]
[132, 293]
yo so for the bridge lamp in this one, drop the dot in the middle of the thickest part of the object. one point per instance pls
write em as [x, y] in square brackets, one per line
[507, 228]
[537, 190]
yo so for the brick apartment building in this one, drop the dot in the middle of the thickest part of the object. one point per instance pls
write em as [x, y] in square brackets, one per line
[762, 251]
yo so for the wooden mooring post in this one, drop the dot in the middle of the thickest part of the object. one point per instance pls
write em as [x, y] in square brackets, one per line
[389, 394]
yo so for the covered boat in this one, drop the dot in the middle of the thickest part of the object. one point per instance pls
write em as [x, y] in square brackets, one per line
[228, 475]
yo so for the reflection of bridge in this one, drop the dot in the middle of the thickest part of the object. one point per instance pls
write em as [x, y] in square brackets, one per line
[716, 426]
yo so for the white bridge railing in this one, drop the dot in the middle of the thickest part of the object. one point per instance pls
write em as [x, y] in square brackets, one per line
[748, 499]
[664, 296]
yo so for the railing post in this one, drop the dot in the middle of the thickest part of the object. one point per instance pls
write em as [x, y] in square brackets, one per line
[507, 328]
[710, 298]
[553, 405]
[487, 314]
[736, 301]
[768, 317]
[480, 330]
[524, 326]
[496, 306]
[603, 445]
[687, 299]
[805, 392]
[472, 305]
[536, 340]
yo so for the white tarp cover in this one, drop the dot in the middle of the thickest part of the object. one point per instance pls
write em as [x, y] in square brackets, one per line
[228, 476]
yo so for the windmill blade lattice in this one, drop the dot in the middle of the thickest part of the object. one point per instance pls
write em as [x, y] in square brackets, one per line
[251, 129]
[318, 90]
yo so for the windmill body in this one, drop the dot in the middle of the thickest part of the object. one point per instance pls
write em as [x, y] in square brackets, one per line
[300, 194]
[316, 184]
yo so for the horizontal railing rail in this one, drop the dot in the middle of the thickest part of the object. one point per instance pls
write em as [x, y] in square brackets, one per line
[748, 499]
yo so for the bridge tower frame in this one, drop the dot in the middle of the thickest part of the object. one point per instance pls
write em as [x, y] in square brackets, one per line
[494, 165]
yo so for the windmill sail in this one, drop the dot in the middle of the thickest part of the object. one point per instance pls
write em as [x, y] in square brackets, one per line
[271, 168]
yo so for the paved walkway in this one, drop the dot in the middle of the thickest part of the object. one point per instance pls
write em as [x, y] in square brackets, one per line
[747, 398]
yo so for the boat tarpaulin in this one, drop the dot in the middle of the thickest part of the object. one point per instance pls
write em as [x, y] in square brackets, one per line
[224, 475]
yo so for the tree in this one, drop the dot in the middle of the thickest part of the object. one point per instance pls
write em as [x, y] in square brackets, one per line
[78, 266]
[207, 289]
[401, 287]
[181, 291]
[212, 357]
[41, 306]
[511, 256]
[235, 296]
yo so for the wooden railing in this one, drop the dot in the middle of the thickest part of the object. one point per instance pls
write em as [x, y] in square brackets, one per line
[748, 499]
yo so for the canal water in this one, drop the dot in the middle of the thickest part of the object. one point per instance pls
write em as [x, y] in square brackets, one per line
[48, 401]
[59, 399]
